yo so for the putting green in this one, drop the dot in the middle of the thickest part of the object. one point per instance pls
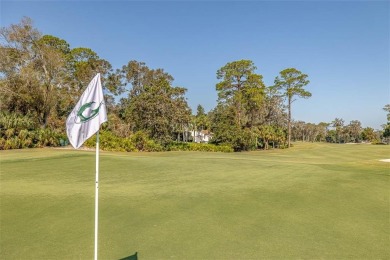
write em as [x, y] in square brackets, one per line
[310, 201]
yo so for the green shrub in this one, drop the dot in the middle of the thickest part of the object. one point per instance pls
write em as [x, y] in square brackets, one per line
[107, 141]
[2, 143]
[377, 142]
[127, 145]
[152, 146]
[9, 133]
[201, 147]
[110, 142]
[23, 134]
[64, 141]
[47, 137]
[17, 131]
[16, 121]
[139, 140]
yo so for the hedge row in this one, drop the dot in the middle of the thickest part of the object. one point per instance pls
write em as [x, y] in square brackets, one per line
[14, 139]
[20, 131]
[140, 141]
[137, 142]
[201, 147]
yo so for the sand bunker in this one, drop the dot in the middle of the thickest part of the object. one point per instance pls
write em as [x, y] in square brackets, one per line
[385, 160]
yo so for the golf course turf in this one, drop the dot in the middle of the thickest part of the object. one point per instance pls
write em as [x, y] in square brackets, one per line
[327, 201]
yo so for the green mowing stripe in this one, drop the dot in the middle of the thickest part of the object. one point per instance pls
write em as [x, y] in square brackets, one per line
[311, 201]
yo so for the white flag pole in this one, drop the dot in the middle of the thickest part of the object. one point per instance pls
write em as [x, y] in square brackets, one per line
[82, 123]
[97, 195]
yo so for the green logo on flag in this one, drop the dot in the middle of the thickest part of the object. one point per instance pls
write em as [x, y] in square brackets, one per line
[91, 114]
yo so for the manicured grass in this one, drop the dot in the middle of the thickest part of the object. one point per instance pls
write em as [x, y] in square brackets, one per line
[324, 201]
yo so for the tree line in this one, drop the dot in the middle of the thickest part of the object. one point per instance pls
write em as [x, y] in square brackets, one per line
[42, 77]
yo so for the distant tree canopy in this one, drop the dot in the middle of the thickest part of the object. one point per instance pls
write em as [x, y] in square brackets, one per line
[153, 104]
[42, 77]
[241, 88]
[386, 128]
[202, 121]
[292, 82]
[249, 115]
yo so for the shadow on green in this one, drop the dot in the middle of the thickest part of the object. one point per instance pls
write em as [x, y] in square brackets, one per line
[131, 257]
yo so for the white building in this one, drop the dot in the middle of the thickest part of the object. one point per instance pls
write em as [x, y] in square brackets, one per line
[203, 136]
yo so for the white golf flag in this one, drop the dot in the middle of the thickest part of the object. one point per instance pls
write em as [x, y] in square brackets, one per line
[88, 114]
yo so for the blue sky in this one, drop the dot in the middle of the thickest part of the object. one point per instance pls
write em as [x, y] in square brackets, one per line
[342, 45]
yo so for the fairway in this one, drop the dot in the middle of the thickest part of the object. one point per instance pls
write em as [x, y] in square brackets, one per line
[324, 201]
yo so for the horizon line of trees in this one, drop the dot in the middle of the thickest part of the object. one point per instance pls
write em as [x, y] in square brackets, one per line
[42, 77]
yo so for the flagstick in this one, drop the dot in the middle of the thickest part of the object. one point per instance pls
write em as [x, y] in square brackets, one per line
[97, 195]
